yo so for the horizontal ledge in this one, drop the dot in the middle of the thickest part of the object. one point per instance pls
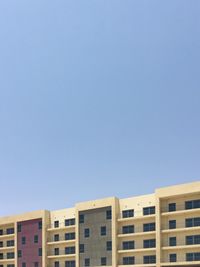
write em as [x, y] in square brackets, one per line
[61, 242]
[61, 256]
[61, 228]
[137, 234]
[136, 250]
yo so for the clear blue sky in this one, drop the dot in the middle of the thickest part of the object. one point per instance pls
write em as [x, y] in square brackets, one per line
[97, 98]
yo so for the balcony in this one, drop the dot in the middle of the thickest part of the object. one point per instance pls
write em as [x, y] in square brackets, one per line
[6, 248]
[179, 228]
[6, 259]
[179, 210]
[183, 247]
[61, 255]
[137, 217]
[52, 242]
[181, 263]
[150, 233]
[60, 227]
[136, 250]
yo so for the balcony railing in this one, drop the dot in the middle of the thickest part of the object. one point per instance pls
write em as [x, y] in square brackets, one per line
[181, 258]
[137, 215]
[61, 239]
[179, 226]
[179, 207]
[61, 225]
[138, 230]
[62, 252]
[178, 245]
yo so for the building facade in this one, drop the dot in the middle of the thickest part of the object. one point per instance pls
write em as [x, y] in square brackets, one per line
[156, 230]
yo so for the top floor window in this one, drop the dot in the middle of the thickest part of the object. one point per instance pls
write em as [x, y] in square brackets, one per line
[81, 218]
[193, 204]
[40, 225]
[109, 214]
[172, 207]
[69, 222]
[128, 213]
[149, 210]
[10, 231]
[56, 224]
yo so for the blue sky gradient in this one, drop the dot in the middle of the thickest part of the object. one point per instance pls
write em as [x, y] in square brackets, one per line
[97, 98]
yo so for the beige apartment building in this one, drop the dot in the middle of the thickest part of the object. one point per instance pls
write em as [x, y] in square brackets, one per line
[156, 230]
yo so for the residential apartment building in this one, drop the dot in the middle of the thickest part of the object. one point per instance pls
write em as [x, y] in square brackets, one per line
[156, 230]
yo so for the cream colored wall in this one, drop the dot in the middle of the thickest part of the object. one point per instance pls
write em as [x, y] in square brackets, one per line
[177, 190]
[61, 216]
[137, 203]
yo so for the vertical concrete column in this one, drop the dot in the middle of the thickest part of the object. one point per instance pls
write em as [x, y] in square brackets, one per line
[115, 212]
[77, 236]
[158, 232]
[45, 225]
[16, 256]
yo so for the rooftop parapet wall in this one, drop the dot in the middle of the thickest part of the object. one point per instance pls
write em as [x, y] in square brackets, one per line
[177, 190]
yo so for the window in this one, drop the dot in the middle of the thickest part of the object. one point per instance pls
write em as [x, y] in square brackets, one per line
[128, 260]
[36, 239]
[103, 230]
[70, 250]
[56, 251]
[148, 227]
[109, 245]
[193, 256]
[1, 232]
[149, 210]
[149, 243]
[172, 224]
[172, 207]
[70, 264]
[1, 244]
[172, 241]
[10, 231]
[70, 236]
[23, 240]
[23, 264]
[40, 252]
[81, 248]
[69, 222]
[56, 224]
[1, 256]
[81, 218]
[19, 227]
[192, 222]
[103, 261]
[109, 214]
[10, 243]
[87, 262]
[56, 263]
[128, 245]
[19, 253]
[128, 229]
[127, 213]
[149, 259]
[10, 255]
[87, 232]
[192, 240]
[56, 237]
[172, 257]
[40, 225]
[36, 264]
[193, 204]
